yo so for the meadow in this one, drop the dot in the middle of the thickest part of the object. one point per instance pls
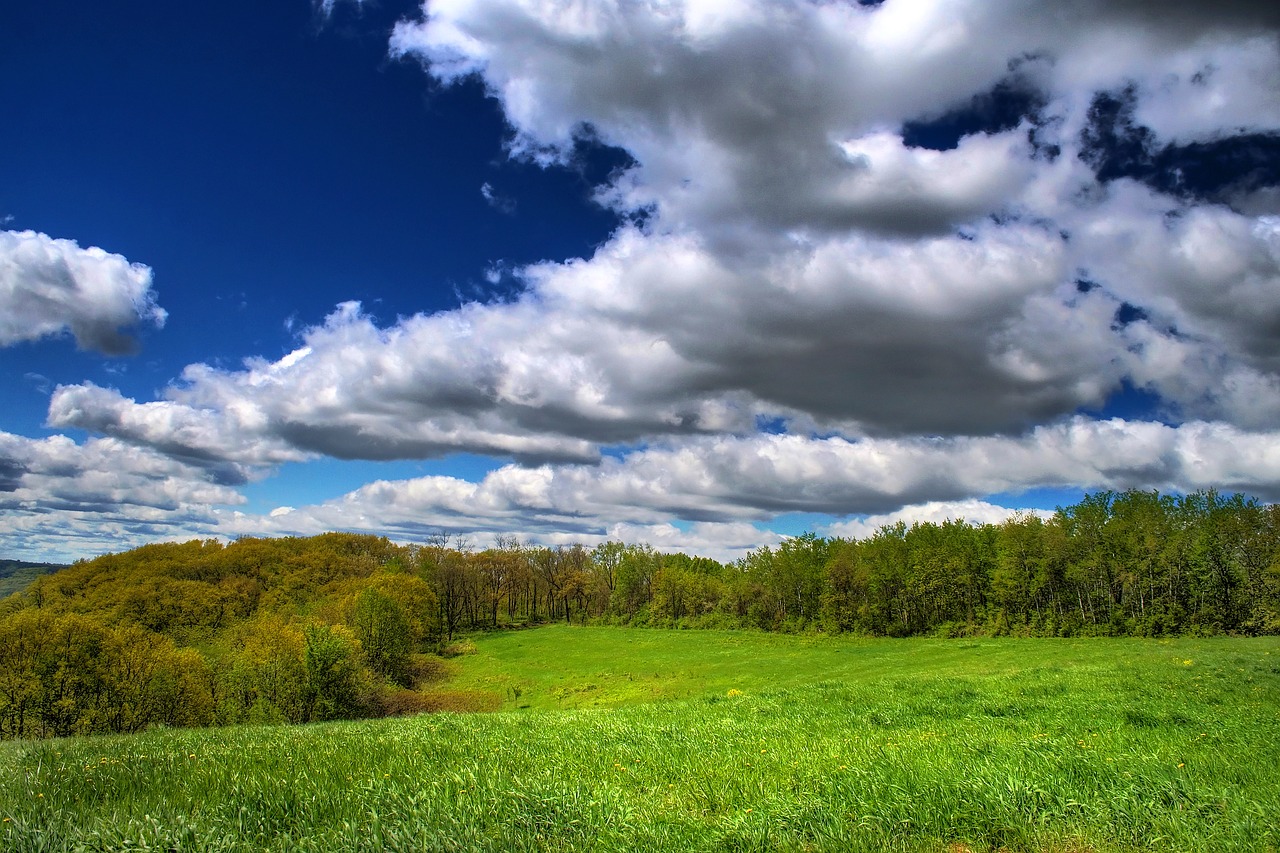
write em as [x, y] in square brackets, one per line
[627, 739]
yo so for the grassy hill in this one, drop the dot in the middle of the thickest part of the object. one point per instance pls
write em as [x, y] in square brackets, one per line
[660, 740]
[16, 575]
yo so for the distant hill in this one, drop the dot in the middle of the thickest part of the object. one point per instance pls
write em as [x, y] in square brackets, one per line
[16, 575]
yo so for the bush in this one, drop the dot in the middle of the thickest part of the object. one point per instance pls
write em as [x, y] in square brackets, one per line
[427, 669]
[458, 648]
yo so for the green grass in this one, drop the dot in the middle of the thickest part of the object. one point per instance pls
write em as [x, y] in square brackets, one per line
[709, 741]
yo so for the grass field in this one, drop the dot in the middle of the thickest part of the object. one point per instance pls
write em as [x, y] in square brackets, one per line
[616, 739]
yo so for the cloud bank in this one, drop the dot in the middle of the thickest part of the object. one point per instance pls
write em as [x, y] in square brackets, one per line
[871, 258]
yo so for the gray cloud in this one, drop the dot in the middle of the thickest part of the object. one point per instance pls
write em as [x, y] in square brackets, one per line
[1187, 19]
[11, 471]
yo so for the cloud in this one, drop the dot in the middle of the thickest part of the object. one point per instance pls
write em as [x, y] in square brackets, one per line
[326, 7]
[780, 116]
[710, 495]
[727, 484]
[62, 500]
[227, 444]
[985, 332]
[759, 114]
[500, 203]
[58, 473]
[49, 286]
[970, 511]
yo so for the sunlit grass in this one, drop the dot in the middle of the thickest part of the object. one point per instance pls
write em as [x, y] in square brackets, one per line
[771, 743]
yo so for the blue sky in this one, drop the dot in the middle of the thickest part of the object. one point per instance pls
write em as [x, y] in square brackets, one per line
[698, 274]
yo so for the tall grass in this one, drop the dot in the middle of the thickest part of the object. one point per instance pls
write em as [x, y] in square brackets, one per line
[771, 744]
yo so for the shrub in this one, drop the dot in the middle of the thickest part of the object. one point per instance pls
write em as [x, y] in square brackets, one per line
[426, 669]
[458, 648]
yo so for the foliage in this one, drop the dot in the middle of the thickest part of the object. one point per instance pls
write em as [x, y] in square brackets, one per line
[196, 633]
[64, 674]
[383, 629]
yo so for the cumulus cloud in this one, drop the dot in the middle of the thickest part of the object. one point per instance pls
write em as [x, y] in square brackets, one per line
[228, 444]
[882, 335]
[749, 114]
[49, 287]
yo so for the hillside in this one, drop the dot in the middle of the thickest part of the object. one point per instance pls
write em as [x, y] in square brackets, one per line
[16, 575]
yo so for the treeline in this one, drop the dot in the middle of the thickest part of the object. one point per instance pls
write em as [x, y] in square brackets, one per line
[1133, 563]
[344, 625]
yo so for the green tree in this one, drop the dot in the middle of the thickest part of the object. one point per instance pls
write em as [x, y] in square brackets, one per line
[844, 599]
[263, 678]
[383, 630]
[333, 686]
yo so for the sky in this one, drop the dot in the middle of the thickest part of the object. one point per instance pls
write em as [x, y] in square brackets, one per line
[696, 274]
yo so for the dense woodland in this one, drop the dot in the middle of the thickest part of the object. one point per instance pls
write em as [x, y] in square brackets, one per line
[345, 625]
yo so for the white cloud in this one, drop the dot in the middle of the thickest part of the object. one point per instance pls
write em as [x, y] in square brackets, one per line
[49, 286]
[1221, 88]
[326, 7]
[971, 511]
[651, 337]
[497, 201]
[745, 116]
[56, 472]
[229, 443]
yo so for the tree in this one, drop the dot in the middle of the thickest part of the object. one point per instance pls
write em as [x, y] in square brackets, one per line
[633, 580]
[453, 576]
[263, 678]
[383, 630]
[606, 558]
[1017, 578]
[844, 600]
[332, 687]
